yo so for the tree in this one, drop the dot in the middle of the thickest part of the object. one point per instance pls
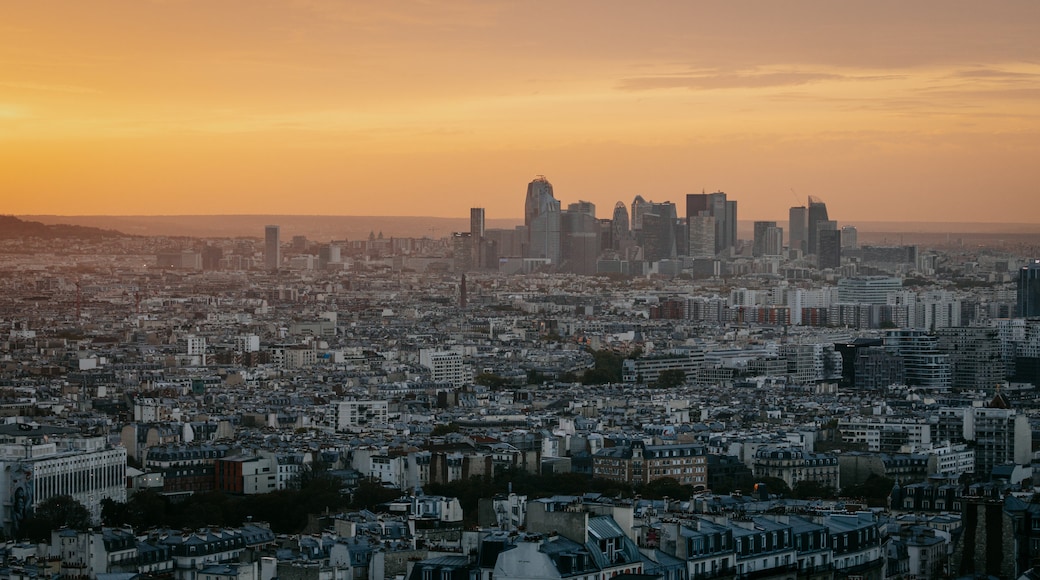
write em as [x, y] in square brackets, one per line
[671, 378]
[666, 487]
[490, 380]
[445, 428]
[808, 489]
[60, 511]
[606, 368]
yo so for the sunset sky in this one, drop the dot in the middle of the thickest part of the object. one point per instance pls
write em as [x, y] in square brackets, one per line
[887, 110]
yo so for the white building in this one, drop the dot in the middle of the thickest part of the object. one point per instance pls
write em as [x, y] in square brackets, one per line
[445, 366]
[41, 462]
[356, 415]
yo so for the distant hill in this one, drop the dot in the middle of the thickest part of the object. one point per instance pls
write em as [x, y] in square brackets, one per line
[14, 228]
[321, 228]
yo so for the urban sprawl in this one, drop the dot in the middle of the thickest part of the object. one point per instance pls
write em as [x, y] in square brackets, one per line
[634, 398]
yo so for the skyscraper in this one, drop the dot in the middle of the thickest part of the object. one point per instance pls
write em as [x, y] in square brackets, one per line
[639, 207]
[849, 237]
[542, 219]
[580, 238]
[620, 231]
[476, 234]
[1029, 290]
[724, 211]
[701, 236]
[829, 241]
[817, 213]
[758, 246]
[658, 234]
[272, 248]
[798, 229]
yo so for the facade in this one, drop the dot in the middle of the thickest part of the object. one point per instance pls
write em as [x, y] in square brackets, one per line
[445, 366]
[885, 436]
[353, 415]
[638, 463]
[868, 289]
[44, 462]
[647, 370]
[794, 465]
[246, 474]
[923, 363]
[974, 353]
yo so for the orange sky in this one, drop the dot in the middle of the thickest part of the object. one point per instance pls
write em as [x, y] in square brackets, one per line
[887, 110]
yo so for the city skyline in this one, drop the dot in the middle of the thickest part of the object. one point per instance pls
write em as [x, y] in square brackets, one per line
[890, 112]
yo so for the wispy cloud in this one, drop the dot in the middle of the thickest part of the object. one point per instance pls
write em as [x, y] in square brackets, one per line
[741, 80]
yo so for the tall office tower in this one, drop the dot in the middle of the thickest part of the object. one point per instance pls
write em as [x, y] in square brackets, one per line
[700, 236]
[830, 248]
[817, 213]
[462, 251]
[724, 212]
[1029, 290]
[849, 237]
[580, 240]
[758, 246]
[542, 220]
[774, 241]
[658, 233]
[272, 248]
[476, 234]
[798, 229]
[639, 207]
[731, 223]
[620, 232]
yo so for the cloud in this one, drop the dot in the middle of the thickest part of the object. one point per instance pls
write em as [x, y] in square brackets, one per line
[994, 74]
[725, 81]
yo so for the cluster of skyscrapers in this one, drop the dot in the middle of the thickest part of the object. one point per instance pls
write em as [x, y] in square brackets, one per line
[636, 239]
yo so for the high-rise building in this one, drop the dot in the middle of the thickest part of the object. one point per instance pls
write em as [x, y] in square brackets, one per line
[724, 212]
[817, 213]
[1029, 290]
[639, 207]
[774, 241]
[701, 236]
[620, 231]
[462, 251]
[798, 229]
[658, 233]
[476, 234]
[849, 237]
[829, 241]
[580, 239]
[758, 246]
[542, 219]
[272, 248]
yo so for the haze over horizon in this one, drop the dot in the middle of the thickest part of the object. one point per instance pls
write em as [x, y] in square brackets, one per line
[888, 111]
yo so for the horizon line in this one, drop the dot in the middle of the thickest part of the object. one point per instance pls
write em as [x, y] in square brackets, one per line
[518, 218]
